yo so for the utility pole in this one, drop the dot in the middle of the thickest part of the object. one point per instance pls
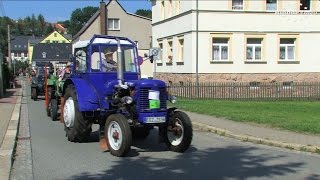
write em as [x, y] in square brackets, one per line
[9, 48]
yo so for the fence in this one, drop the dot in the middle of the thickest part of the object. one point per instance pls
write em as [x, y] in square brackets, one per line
[306, 91]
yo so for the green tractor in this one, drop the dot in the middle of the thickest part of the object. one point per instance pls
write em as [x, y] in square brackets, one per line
[54, 87]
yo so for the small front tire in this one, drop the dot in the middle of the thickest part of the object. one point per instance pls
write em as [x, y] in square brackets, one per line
[118, 133]
[179, 132]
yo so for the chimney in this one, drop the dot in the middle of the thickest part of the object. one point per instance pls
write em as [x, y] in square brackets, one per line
[103, 18]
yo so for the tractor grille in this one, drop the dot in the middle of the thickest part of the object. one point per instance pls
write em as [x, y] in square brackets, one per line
[144, 99]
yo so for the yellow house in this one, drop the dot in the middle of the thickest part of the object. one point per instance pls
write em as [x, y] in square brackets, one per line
[54, 37]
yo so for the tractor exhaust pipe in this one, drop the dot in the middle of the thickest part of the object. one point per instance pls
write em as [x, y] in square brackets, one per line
[120, 64]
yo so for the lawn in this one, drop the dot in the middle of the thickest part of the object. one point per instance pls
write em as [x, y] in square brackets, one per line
[294, 116]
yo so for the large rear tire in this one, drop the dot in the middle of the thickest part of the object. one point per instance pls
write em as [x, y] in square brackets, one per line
[118, 133]
[49, 101]
[179, 132]
[53, 104]
[77, 128]
[34, 94]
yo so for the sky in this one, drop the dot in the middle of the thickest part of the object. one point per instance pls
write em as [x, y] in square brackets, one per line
[59, 10]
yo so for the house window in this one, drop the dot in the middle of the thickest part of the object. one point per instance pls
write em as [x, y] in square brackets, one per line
[47, 41]
[220, 48]
[19, 46]
[44, 55]
[160, 46]
[287, 48]
[63, 41]
[254, 85]
[114, 24]
[180, 50]
[162, 10]
[170, 8]
[15, 46]
[254, 49]
[55, 34]
[169, 51]
[55, 41]
[305, 4]
[237, 4]
[271, 5]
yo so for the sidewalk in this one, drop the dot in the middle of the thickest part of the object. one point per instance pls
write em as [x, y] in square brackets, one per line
[9, 121]
[256, 133]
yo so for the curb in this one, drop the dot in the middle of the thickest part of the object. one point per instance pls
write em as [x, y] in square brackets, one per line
[9, 142]
[248, 138]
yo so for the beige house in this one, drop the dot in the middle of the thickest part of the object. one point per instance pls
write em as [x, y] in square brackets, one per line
[112, 19]
[237, 40]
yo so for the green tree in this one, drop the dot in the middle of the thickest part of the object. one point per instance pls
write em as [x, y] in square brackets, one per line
[79, 17]
[144, 12]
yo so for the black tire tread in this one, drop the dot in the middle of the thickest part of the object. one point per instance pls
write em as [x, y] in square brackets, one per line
[188, 133]
[82, 127]
[54, 109]
[126, 130]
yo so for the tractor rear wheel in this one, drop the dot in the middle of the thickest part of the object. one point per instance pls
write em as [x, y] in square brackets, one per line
[179, 133]
[77, 128]
[118, 134]
[49, 101]
[53, 105]
[34, 94]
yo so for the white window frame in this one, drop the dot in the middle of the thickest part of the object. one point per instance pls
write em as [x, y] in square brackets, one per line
[113, 20]
[286, 50]
[254, 46]
[137, 44]
[220, 49]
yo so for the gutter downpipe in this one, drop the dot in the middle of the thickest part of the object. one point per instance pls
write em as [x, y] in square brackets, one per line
[197, 46]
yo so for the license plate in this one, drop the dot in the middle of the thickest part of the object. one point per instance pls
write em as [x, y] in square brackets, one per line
[155, 119]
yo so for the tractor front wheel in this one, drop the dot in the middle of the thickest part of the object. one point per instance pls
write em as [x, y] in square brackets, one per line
[118, 134]
[77, 128]
[179, 133]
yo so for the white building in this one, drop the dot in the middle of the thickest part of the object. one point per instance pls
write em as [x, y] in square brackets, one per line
[238, 40]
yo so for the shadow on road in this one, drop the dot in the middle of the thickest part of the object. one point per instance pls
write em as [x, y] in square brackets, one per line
[213, 163]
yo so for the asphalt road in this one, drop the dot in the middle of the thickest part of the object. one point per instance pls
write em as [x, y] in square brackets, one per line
[209, 157]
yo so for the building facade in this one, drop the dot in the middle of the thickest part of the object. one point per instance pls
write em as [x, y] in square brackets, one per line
[19, 48]
[112, 19]
[237, 40]
[54, 37]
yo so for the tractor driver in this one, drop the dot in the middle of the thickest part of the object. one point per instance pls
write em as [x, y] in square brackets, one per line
[108, 64]
[65, 73]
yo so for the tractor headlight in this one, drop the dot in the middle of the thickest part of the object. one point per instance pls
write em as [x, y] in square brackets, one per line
[172, 99]
[127, 100]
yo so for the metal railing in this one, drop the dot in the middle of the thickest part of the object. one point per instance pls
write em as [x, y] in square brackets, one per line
[278, 91]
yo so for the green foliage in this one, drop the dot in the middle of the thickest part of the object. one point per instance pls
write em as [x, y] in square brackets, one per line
[144, 12]
[79, 17]
[29, 26]
[294, 116]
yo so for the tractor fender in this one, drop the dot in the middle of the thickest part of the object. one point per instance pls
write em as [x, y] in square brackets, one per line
[86, 94]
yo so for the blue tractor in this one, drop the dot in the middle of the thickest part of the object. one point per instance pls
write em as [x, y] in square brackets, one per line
[123, 104]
